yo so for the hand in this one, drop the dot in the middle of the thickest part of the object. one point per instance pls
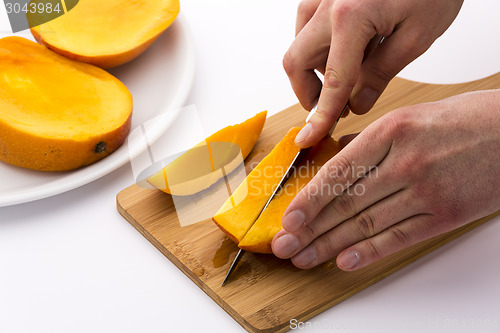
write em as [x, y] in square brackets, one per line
[334, 36]
[416, 172]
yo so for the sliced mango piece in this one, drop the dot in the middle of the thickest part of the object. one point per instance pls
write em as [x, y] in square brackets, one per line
[106, 33]
[207, 162]
[259, 237]
[57, 114]
[239, 212]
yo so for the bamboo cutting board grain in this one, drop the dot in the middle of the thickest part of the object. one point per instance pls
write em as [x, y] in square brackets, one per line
[265, 293]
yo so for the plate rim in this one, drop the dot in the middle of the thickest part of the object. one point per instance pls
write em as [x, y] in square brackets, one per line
[98, 170]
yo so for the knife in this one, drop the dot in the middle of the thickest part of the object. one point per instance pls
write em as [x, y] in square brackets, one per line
[374, 42]
[295, 162]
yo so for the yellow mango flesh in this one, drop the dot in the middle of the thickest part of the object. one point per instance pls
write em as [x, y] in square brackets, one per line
[239, 212]
[107, 33]
[259, 237]
[57, 114]
[207, 162]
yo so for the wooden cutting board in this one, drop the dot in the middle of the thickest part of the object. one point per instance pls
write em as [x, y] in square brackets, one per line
[265, 293]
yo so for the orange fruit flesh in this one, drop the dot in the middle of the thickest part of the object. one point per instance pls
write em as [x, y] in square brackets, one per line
[259, 237]
[201, 166]
[107, 33]
[240, 211]
[54, 112]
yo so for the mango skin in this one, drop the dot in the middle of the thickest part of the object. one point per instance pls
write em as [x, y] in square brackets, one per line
[47, 154]
[104, 61]
[57, 114]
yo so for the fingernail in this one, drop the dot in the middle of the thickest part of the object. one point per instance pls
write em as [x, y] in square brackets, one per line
[349, 259]
[364, 99]
[304, 133]
[305, 257]
[294, 220]
[285, 246]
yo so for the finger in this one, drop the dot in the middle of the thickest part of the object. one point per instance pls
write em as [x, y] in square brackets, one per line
[346, 112]
[347, 47]
[372, 188]
[374, 42]
[364, 153]
[398, 237]
[371, 221]
[374, 184]
[308, 51]
[382, 64]
[305, 12]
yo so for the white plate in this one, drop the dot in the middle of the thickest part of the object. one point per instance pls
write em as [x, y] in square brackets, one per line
[159, 80]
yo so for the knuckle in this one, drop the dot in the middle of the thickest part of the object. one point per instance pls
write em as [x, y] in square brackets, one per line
[288, 63]
[383, 74]
[332, 178]
[344, 10]
[413, 167]
[335, 79]
[401, 237]
[398, 123]
[338, 168]
[307, 7]
[323, 117]
[344, 205]
[371, 251]
[311, 232]
[315, 203]
[449, 213]
[325, 248]
[313, 196]
[365, 224]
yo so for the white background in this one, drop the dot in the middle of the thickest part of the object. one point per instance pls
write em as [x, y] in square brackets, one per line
[71, 263]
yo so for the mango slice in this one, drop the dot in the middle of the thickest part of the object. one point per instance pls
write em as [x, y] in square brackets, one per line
[57, 114]
[240, 211]
[259, 237]
[106, 33]
[238, 215]
[208, 161]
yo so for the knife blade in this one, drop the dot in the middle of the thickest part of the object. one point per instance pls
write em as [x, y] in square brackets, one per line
[295, 162]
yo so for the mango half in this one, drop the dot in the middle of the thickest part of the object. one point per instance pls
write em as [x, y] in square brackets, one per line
[106, 33]
[57, 114]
